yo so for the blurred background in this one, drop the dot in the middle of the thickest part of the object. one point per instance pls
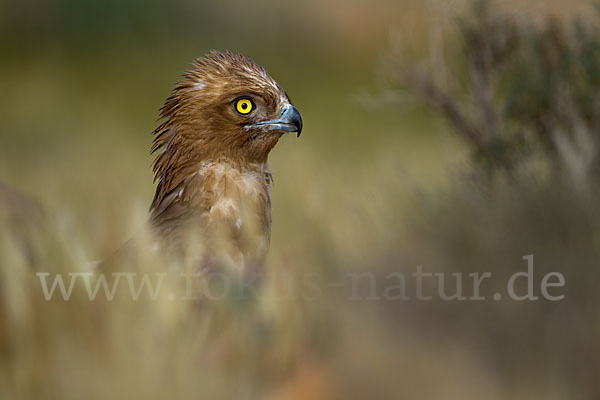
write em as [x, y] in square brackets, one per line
[457, 135]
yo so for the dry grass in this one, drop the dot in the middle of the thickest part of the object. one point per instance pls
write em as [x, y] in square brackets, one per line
[371, 218]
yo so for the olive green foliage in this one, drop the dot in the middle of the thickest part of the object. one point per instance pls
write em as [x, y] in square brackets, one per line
[519, 90]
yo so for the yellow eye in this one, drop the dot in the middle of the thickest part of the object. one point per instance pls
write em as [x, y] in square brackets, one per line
[244, 106]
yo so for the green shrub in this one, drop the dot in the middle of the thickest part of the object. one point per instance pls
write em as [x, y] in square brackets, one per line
[518, 92]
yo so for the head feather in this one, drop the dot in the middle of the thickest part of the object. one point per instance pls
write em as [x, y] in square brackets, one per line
[195, 128]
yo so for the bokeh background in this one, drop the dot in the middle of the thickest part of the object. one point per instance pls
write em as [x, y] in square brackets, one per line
[379, 182]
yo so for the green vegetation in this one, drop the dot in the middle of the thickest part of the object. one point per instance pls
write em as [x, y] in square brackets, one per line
[517, 93]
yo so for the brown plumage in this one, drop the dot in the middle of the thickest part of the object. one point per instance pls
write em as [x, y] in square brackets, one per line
[213, 182]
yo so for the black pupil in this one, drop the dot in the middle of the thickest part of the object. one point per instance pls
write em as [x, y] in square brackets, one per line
[244, 105]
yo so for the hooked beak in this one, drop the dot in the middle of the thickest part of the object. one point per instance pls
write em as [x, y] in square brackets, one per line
[290, 121]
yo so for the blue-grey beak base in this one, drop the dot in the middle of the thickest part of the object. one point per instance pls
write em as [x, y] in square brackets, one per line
[290, 121]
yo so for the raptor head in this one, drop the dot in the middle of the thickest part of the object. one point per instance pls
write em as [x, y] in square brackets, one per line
[226, 107]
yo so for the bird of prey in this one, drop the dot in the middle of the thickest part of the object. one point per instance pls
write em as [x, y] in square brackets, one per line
[213, 181]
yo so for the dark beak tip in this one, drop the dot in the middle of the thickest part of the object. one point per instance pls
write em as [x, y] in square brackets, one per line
[296, 119]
